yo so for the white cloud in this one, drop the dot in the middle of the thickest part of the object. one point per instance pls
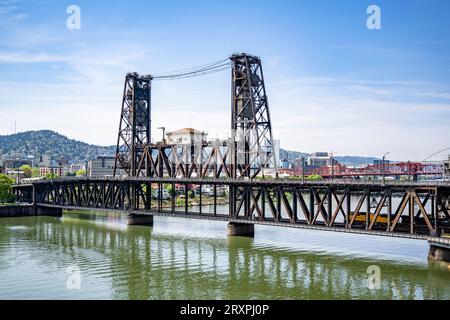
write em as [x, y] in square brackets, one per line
[9, 10]
[24, 57]
[348, 116]
[438, 95]
[20, 16]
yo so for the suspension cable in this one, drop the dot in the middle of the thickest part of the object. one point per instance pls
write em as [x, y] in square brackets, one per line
[195, 71]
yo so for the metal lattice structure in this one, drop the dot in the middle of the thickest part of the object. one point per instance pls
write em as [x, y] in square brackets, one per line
[413, 210]
[413, 169]
[250, 120]
[134, 129]
[247, 153]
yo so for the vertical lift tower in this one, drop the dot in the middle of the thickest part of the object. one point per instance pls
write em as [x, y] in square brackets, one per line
[250, 120]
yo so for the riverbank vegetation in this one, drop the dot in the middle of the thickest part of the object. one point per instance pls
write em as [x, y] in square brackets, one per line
[6, 194]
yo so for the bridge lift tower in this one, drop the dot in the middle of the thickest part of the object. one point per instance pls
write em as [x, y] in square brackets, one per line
[250, 122]
[135, 127]
[250, 117]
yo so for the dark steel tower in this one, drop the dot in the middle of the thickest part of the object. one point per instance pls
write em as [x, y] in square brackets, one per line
[250, 151]
[250, 119]
[134, 129]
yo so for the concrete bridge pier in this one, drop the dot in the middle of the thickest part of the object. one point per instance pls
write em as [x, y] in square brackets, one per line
[28, 211]
[439, 249]
[241, 229]
[140, 219]
[51, 212]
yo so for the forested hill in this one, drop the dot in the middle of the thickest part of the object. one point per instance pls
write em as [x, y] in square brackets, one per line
[51, 143]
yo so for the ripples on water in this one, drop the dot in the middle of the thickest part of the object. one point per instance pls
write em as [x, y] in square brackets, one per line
[192, 259]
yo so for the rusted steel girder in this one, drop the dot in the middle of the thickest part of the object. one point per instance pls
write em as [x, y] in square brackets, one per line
[413, 209]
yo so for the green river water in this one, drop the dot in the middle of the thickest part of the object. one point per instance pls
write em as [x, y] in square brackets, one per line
[194, 259]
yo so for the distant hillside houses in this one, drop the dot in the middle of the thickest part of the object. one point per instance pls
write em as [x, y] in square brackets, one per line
[53, 154]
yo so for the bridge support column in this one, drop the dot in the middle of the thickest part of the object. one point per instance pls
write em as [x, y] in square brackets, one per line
[439, 249]
[42, 211]
[241, 229]
[140, 219]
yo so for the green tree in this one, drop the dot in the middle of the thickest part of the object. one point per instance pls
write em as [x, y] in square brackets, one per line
[313, 177]
[170, 190]
[80, 172]
[5, 189]
[35, 173]
[27, 170]
[51, 175]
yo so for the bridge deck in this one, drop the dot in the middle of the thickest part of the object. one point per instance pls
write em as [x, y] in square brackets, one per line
[408, 208]
[256, 182]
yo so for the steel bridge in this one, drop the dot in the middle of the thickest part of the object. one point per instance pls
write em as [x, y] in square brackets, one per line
[226, 180]
[411, 210]
[411, 169]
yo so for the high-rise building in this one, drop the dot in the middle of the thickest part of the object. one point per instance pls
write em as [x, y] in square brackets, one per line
[319, 159]
[103, 166]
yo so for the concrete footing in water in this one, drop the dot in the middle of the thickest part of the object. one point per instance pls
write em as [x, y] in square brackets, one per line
[28, 210]
[439, 249]
[140, 219]
[241, 229]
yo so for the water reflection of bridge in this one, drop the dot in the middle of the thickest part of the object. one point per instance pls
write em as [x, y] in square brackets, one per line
[143, 264]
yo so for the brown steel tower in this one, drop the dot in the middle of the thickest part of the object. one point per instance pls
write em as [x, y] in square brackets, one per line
[250, 118]
[134, 130]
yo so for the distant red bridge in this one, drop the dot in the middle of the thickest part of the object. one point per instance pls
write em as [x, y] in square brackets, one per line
[389, 169]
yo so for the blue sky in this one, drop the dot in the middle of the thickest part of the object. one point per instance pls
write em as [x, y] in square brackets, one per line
[333, 84]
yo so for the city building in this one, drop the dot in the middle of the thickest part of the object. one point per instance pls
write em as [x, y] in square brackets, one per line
[44, 160]
[446, 168]
[15, 174]
[284, 164]
[319, 159]
[188, 136]
[379, 162]
[57, 171]
[62, 161]
[74, 167]
[16, 163]
[103, 166]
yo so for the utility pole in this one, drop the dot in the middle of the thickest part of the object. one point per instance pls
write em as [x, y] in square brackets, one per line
[332, 163]
[382, 167]
[303, 169]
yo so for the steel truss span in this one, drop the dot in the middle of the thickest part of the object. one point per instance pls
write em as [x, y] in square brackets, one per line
[412, 210]
[247, 153]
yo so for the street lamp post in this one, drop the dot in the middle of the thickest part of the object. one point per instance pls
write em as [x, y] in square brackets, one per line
[332, 164]
[382, 167]
[163, 133]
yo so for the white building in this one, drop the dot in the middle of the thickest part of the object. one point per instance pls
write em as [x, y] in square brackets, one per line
[186, 136]
[319, 159]
[74, 167]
